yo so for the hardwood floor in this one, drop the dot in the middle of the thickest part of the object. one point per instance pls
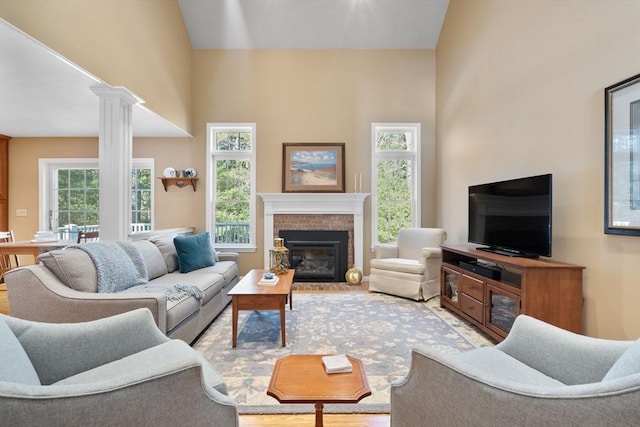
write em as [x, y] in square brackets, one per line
[4, 301]
[304, 420]
[290, 420]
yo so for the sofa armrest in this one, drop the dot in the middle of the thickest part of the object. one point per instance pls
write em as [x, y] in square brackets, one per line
[229, 256]
[35, 293]
[568, 357]
[165, 394]
[386, 250]
[430, 253]
[432, 259]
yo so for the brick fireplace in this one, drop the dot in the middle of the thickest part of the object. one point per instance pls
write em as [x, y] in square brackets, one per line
[316, 211]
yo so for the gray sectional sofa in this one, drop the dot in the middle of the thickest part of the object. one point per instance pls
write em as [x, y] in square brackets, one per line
[63, 288]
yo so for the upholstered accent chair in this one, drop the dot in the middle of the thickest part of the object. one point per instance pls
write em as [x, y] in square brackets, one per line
[115, 371]
[410, 267]
[540, 375]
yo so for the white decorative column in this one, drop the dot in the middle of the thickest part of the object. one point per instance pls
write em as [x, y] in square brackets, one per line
[316, 204]
[115, 152]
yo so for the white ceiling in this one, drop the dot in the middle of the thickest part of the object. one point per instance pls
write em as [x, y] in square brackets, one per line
[313, 24]
[44, 95]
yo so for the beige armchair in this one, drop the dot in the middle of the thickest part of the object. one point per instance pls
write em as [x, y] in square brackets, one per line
[410, 267]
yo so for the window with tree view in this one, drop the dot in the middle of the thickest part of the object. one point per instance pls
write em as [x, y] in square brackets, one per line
[396, 175]
[232, 205]
[73, 196]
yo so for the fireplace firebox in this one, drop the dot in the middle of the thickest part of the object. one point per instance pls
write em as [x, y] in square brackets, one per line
[317, 255]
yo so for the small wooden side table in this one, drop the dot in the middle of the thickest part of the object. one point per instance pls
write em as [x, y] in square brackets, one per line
[301, 378]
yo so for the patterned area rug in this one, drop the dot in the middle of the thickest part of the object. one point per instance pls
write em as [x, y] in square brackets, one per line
[376, 328]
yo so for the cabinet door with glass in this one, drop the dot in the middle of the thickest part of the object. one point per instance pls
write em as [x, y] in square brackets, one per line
[450, 283]
[502, 309]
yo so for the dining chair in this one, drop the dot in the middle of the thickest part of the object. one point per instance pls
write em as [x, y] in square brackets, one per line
[88, 236]
[7, 262]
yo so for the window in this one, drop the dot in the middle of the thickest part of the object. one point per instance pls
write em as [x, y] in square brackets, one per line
[231, 189]
[69, 192]
[141, 197]
[395, 180]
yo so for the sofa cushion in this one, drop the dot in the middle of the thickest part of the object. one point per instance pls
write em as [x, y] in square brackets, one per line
[73, 267]
[398, 264]
[194, 252]
[153, 259]
[489, 362]
[228, 269]
[15, 365]
[168, 250]
[204, 279]
[627, 364]
[170, 353]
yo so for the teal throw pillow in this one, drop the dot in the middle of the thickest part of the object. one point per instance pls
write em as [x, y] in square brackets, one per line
[194, 252]
[627, 364]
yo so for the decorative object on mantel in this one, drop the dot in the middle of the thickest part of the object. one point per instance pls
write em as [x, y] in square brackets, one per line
[622, 157]
[357, 188]
[313, 167]
[353, 276]
[279, 257]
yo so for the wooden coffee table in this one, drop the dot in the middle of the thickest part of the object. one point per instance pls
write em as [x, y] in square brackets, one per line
[248, 295]
[301, 378]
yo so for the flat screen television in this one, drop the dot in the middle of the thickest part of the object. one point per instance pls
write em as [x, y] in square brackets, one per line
[512, 217]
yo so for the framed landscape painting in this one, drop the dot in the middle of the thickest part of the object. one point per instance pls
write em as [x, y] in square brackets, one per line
[313, 167]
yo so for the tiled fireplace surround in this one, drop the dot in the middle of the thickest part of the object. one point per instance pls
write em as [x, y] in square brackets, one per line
[316, 211]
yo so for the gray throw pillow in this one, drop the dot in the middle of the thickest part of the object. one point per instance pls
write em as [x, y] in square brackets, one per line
[168, 251]
[153, 259]
[73, 267]
[627, 364]
[15, 365]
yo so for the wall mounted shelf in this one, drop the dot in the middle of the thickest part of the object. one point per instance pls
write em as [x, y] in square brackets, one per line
[178, 182]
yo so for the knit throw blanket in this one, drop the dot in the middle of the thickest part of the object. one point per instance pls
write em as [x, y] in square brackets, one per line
[120, 267]
[174, 293]
[119, 264]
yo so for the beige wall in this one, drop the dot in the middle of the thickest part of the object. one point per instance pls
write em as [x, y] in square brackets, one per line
[520, 92]
[292, 96]
[142, 45]
[316, 96]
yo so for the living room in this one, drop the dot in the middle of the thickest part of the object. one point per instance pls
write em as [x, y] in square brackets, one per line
[514, 88]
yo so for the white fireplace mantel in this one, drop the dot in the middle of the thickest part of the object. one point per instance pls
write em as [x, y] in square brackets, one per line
[316, 204]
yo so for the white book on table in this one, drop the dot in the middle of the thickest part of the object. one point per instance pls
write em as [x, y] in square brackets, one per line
[268, 282]
[336, 364]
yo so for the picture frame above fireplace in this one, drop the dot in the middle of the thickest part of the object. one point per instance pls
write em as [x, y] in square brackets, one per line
[313, 167]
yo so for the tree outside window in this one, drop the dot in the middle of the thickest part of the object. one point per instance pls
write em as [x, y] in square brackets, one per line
[396, 168]
[232, 163]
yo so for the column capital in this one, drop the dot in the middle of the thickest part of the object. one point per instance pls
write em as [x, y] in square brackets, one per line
[118, 92]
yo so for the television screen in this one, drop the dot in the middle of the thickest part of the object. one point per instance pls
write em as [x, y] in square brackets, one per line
[512, 217]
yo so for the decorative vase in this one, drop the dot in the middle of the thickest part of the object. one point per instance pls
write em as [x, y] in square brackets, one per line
[353, 276]
[279, 257]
